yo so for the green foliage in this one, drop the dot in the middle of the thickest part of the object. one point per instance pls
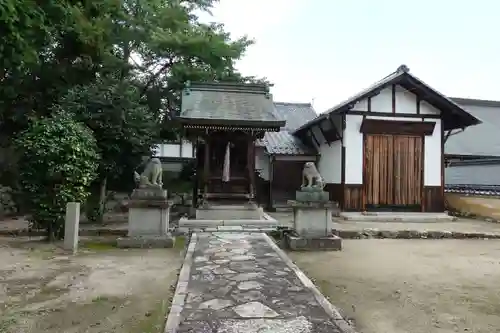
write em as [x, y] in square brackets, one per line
[59, 160]
[116, 66]
[124, 127]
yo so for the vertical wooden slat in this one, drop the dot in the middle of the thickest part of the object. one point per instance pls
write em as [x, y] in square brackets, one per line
[392, 170]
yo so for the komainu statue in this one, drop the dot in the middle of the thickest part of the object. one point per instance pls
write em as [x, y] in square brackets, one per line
[311, 178]
[151, 176]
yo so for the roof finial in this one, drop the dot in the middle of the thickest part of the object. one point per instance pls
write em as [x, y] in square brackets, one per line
[403, 68]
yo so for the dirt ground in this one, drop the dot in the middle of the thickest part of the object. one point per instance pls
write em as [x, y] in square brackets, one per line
[417, 286]
[100, 290]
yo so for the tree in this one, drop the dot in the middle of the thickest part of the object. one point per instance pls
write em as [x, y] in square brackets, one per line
[58, 163]
[123, 126]
[116, 66]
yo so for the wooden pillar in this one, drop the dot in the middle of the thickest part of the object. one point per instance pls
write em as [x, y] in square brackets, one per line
[251, 166]
[196, 176]
[206, 165]
[270, 205]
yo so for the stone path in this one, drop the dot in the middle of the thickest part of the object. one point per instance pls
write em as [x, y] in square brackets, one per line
[243, 283]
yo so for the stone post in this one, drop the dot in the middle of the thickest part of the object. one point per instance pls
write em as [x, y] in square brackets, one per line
[71, 226]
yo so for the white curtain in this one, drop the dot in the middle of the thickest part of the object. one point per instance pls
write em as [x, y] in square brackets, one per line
[226, 170]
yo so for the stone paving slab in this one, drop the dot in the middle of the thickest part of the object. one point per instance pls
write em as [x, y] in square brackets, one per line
[243, 283]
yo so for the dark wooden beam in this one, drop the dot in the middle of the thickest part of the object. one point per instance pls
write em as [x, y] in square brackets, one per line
[446, 136]
[339, 133]
[418, 104]
[393, 88]
[206, 165]
[389, 114]
[314, 137]
[376, 126]
[369, 104]
[443, 141]
[251, 165]
[342, 165]
[270, 204]
[327, 137]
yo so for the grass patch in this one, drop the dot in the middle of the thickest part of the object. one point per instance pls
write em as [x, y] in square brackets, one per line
[98, 246]
[6, 324]
[154, 320]
[180, 242]
[100, 299]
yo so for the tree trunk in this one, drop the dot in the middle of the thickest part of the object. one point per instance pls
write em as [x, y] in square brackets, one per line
[102, 199]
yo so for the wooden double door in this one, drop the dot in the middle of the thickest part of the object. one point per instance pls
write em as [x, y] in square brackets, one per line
[393, 172]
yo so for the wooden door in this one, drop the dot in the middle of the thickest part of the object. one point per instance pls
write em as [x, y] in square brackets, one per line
[408, 166]
[393, 172]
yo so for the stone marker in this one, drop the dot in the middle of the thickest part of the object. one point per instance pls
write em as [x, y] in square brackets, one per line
[312, 214]
[71, 225]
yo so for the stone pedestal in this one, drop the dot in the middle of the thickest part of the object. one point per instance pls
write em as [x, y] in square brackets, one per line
[148, 220]
[312, 226]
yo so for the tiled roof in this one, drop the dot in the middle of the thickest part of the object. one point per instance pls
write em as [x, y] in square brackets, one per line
[229, 104]
[283, 142]
[295, 114]
[455, 116]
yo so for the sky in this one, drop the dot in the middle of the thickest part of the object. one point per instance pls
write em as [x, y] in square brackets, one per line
[324, 51]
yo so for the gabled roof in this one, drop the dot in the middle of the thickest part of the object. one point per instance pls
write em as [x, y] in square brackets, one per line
[454, 116]
[480, 140]
[283, 142]
[229, 104]
[295, 114]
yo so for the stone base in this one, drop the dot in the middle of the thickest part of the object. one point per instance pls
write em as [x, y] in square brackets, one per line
[166, 241]
[312, 196]
[326, 243]
[149, 193]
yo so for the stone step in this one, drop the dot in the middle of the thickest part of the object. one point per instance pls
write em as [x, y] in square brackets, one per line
[395, 217]
[183, 222]
[185, 231]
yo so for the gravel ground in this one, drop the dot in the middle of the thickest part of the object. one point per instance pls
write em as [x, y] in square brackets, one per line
[100, 290]
[417, 286]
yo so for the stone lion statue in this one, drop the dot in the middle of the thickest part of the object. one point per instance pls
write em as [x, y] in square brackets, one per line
[311, 177]
[151, 176]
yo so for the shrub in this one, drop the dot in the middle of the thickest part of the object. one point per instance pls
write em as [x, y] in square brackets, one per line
[58, 162]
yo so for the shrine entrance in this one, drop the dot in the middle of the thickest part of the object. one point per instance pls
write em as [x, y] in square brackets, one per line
[226, 159]
[225, 120]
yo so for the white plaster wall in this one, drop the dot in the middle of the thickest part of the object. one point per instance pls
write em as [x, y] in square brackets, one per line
[426, 108]
[406, 102]
[381, 102]
[262, 162]
[187, 149]
[353, 141]
[330, 162]
[174, 150]
[432, 160]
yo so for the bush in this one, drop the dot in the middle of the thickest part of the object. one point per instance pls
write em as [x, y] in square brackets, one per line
[58, 162]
